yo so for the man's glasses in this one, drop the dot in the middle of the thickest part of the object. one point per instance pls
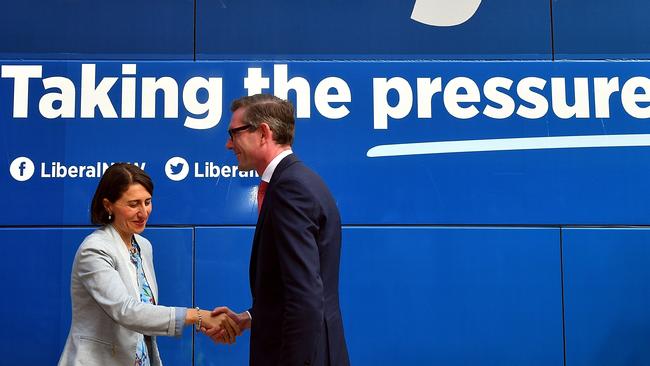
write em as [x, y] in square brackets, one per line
[233, 131]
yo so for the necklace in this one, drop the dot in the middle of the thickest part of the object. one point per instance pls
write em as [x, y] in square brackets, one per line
[133, 249]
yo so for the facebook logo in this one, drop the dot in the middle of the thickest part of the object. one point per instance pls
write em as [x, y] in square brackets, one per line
[21, 169]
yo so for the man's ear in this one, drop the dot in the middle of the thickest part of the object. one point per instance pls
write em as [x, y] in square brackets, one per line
[265, 131]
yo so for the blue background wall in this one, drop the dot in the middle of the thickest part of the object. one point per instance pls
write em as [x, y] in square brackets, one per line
[497, 258]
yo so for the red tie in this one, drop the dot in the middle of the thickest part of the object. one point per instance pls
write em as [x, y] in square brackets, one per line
[260, 195]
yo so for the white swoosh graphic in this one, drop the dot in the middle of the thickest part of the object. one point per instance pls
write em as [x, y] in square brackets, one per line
[526, 143]
[444, 13]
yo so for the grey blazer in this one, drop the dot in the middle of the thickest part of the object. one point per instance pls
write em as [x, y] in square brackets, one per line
[108, 317]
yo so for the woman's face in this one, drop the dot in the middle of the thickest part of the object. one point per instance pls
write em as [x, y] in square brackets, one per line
[131, 211]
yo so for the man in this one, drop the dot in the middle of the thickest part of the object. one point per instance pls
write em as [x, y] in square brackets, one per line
[295, 318]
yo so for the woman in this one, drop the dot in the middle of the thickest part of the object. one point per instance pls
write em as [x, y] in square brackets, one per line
[114, 293]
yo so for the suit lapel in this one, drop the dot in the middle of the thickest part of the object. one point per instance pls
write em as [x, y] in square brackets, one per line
[284, 163]
[123, 256]
[147, 266]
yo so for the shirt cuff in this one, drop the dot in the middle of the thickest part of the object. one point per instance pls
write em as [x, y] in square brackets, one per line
[181, 314]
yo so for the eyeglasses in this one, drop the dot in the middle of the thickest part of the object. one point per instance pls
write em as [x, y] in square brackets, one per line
[233, 131]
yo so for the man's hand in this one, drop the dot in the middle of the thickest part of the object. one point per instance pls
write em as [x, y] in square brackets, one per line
[220, 324]
[242, 320]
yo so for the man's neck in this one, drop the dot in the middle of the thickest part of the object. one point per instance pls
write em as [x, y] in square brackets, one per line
[270, 155]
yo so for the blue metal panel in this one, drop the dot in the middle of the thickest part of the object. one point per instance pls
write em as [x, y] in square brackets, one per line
[366, 29]
[173, 255]
[452, 296]
[416, 295]
[37, 287]
[120, 29]
[601, 29]
[607, 296]
[35, 313]
[221, 270]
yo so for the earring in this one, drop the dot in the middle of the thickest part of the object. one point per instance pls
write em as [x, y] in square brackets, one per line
[109, 216]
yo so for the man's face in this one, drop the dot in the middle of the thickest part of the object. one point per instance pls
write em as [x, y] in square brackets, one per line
[244, 143]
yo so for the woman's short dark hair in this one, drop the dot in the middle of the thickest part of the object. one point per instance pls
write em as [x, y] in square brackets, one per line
[116, 180]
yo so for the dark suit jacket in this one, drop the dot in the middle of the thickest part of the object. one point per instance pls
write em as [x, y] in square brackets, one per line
[294, 273]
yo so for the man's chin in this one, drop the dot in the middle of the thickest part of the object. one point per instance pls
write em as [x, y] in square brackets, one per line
[244, 167]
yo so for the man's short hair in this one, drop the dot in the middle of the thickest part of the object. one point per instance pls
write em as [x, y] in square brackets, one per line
[275, 112]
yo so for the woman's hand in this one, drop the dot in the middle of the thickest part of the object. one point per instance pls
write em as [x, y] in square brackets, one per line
[243, 320]
[221, 322]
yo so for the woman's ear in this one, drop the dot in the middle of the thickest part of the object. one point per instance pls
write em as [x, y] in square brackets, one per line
[107, 205]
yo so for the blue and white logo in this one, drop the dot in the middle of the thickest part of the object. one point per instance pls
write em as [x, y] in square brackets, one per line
[21, 169]
[177, 168]
[444, 13]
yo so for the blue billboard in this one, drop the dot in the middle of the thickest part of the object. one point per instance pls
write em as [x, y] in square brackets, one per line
[365, 29]
[455, 142]
[483, 155]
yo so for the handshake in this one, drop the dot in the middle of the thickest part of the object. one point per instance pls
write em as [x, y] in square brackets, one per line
[222, 325]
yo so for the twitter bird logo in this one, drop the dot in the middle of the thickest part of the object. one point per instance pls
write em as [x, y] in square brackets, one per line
[177, 168]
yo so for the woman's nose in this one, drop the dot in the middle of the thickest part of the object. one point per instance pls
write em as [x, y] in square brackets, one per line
[142, 210]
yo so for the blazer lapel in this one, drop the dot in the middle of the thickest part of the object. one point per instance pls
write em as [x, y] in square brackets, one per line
[277, 173]
[122, 256]
[252, 266]
[147, 265]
